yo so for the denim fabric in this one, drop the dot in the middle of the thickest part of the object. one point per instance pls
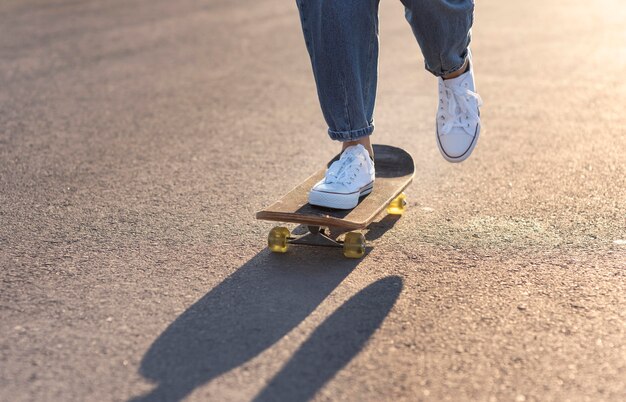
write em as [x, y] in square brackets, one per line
[341, 37]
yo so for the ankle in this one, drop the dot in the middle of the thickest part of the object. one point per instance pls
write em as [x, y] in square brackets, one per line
[365, 141]
[458, 72]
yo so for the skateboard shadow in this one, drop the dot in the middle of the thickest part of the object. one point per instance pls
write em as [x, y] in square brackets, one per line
[250, 311]
[377, 229]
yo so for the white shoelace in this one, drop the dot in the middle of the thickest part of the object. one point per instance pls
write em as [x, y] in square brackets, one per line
[346, 170]
[458, 97]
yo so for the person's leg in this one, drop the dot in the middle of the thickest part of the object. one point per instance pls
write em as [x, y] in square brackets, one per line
[443, 30]
[341, 37]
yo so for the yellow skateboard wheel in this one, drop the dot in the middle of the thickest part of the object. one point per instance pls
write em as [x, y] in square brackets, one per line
[397, 205]
[354, 245]
[277, 239]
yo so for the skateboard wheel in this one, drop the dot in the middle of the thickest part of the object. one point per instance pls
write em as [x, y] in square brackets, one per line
[397, 205]
[354, 245]
[277, 239]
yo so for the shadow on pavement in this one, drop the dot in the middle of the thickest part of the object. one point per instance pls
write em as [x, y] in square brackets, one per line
[243, 316]
[377, 229]
[334, 343]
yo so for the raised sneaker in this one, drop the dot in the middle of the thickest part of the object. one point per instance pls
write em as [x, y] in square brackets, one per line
[458, 116]
[346, 180]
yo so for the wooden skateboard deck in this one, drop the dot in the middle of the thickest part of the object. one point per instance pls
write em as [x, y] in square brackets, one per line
[394, 172]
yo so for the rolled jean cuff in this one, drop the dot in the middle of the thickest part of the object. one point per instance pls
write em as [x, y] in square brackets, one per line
[351, 135]
[441, 73]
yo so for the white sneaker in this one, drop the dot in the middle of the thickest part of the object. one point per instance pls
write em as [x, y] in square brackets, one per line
[347, 179]
[458, 117]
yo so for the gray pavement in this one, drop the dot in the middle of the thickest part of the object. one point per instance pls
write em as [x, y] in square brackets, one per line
[137, 139]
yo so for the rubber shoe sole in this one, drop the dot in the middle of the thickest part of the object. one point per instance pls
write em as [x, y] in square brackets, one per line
[339, 200]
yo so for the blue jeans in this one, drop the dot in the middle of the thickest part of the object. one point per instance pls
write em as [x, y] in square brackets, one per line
[342, 39]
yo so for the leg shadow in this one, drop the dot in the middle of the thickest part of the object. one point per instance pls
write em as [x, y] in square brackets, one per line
[334, 343]
[241, 317]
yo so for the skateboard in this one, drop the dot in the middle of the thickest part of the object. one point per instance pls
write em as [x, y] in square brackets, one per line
[336, 227]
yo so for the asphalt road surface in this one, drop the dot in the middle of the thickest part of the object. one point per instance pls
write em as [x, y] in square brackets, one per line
[138, 138]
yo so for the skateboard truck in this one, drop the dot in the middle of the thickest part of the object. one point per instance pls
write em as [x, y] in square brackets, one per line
[316, 236]
[353, 243]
